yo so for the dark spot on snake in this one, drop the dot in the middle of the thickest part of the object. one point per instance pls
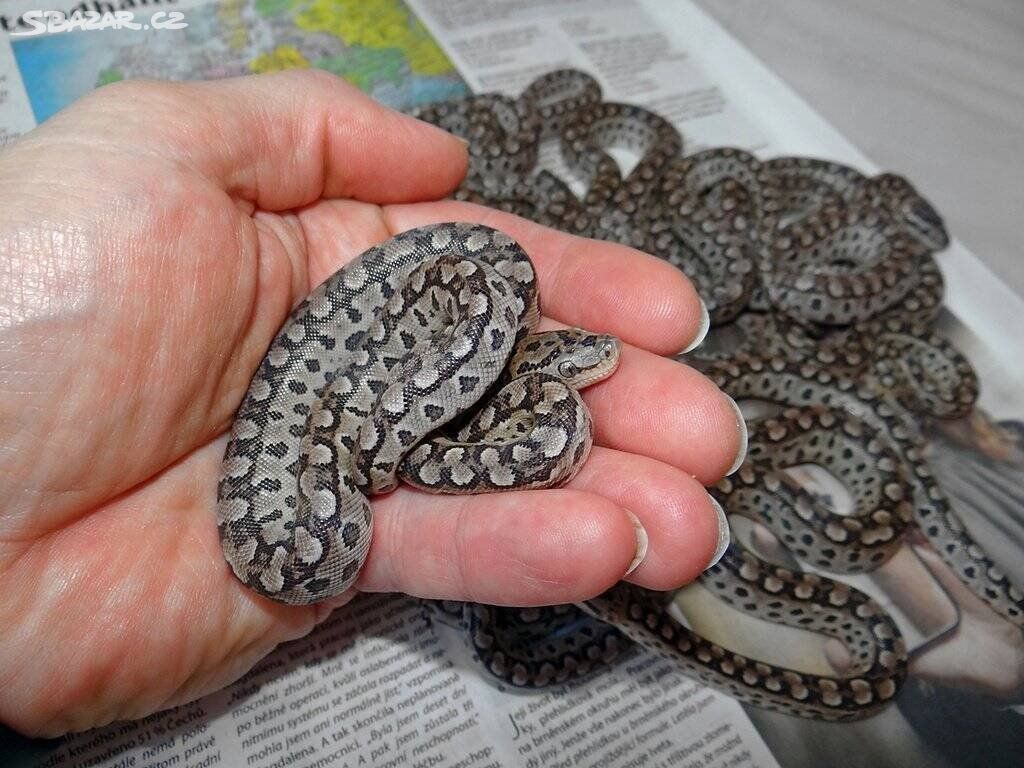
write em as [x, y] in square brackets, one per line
[350, 534]
[468, 383]
[269, 484]
[297, 387]
[277, 450]
[433, 412]
[316, 586]
[497, 339]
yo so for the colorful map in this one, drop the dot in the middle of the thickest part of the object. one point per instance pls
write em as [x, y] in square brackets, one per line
[377, 45]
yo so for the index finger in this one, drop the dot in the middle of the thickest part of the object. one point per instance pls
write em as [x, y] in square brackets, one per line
[597, 285]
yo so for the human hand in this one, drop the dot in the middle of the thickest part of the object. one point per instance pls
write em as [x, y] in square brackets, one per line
[154, 238]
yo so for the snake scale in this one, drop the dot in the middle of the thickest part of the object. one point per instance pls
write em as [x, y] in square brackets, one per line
[822, 288]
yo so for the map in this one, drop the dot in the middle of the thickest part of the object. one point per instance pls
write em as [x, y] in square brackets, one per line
[377, 45]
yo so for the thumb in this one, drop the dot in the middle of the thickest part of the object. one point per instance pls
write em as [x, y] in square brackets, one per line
[286, 139]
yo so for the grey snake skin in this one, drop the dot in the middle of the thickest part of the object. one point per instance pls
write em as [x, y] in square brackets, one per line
[822, 289]
[356, 387]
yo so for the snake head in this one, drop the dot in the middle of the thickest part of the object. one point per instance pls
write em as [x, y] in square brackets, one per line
[578, 357]
[918, 217]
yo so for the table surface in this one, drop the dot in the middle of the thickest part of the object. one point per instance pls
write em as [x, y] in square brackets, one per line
[932, 89]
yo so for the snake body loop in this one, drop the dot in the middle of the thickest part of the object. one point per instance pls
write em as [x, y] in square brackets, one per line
[859, 457]
[398, 343]
[805, 601]
[777, 380]
[558, 96]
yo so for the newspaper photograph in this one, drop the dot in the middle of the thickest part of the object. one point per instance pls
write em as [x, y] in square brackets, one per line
[389, 680]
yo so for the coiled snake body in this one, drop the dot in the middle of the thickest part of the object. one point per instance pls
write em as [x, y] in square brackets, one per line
[822, 289]
[394, 346]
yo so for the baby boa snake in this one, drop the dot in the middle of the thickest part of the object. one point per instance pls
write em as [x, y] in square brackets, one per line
[823, 289]
[355, 389]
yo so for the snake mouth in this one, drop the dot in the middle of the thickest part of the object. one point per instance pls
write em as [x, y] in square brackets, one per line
[608, 352]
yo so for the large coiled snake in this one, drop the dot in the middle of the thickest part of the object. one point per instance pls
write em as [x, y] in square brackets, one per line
[822, 290]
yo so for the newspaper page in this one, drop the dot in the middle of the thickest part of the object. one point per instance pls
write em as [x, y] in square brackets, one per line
[378, 683]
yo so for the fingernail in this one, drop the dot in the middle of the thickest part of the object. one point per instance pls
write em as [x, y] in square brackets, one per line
[464, 141]
[723, 533]
[741, 425]
[702, 331]
[641, 543]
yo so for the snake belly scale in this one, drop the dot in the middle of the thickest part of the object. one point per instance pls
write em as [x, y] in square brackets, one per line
[355, 388]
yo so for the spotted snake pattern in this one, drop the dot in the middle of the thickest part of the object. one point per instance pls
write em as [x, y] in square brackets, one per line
[822, 289]
[354, 391]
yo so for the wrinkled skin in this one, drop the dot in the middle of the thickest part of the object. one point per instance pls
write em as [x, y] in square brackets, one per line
[153, 239]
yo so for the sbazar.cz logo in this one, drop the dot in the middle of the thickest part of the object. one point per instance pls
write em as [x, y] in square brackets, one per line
[50, 22]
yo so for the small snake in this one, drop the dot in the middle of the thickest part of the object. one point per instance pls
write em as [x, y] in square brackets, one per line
[355, 390]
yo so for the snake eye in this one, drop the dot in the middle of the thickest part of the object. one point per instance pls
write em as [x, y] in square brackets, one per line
[567, 369]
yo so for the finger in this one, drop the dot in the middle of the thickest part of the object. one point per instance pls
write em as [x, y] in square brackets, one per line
[286, 139]
[682, 525]
[515, 548]
[667, 411]
[596, 285]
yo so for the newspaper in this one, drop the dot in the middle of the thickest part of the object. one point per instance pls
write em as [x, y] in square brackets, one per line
[378, 684]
